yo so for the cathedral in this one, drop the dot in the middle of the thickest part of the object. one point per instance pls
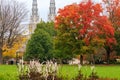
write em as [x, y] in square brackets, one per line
[52, 11]
[34, 19]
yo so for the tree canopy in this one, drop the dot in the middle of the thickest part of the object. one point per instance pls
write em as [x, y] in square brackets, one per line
[11, 15]
[40, 45]
[92, 28]
[112, 8]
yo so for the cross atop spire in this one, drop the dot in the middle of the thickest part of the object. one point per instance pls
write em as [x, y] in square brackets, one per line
[52, 11]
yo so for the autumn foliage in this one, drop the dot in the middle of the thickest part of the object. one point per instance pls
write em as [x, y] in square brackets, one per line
[112, 7]
[17, 45]
[88, 18]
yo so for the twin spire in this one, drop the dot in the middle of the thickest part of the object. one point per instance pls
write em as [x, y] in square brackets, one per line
[35, 16]
[52, 11]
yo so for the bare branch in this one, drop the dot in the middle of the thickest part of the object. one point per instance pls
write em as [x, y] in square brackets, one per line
[11, 15]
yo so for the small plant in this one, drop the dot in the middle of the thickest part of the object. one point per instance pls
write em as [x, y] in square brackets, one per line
[23, 70]
[93, 75]
[37, 71]
[80, 75]
[48, 71]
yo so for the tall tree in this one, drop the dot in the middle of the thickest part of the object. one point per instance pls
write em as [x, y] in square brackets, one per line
[112, 8]
[40, 45]
[93, 28]
[48, 27]
[11, 15]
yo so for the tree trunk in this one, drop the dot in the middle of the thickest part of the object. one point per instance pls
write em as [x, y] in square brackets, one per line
[108, 56]
[60, 61]
[81, 59]
[92, 59]
[1, 59]
[1, 46]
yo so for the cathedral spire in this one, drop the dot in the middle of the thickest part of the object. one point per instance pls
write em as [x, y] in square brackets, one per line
[34, 16]
[52, 11]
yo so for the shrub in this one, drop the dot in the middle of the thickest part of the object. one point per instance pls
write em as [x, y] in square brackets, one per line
[38, 71]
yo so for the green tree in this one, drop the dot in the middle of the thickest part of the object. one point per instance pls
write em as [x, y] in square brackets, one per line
[67, 44]
[39, 46]
[48, 27]
[117, 47]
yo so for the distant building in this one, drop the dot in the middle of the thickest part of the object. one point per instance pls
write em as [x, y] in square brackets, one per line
[34, 17]
[29, 27]
[52, 11]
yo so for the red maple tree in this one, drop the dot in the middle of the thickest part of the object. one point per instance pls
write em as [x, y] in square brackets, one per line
[112, 7]
[88, 18]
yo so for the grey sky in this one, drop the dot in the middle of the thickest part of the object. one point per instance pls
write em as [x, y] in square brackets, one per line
[43, 6]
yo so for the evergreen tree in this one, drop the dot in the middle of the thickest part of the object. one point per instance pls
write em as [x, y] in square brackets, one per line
[40, 45]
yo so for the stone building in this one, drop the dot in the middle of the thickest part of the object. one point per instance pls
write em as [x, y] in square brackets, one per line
[52, 11]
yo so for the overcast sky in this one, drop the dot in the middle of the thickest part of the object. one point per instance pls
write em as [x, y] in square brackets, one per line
[43, 6]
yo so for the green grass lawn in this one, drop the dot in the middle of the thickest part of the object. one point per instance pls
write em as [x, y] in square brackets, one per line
[104, 71]
[9, 72]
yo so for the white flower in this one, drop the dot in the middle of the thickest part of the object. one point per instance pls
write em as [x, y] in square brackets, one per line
[92, 68]
[79, 66]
